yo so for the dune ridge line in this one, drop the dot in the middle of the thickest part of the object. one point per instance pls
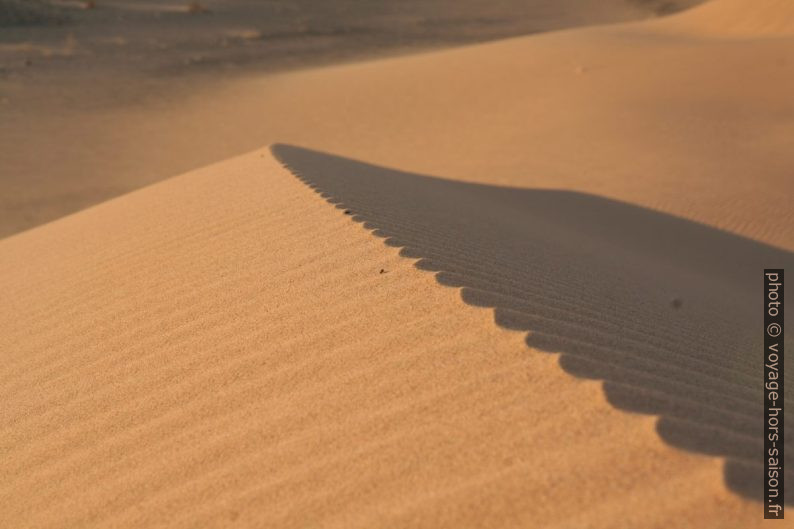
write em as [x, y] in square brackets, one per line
[659, 308]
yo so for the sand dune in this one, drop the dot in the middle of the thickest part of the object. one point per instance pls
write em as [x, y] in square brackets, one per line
[660, 308]
[762, 18]
[224, 348]
[108, 86]
[641, 113]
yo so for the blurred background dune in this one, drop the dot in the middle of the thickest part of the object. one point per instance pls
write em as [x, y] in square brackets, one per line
[76, 75]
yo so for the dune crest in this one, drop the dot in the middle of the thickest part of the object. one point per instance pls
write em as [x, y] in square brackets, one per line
[225, 349]
[660, 308]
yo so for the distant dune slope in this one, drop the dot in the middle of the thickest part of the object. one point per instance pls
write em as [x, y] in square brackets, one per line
[756, 18]
[27, 12]
[685, 122]
[225, 349]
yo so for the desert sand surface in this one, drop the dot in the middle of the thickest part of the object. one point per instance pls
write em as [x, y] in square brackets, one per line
[511, 284]
[116, 90]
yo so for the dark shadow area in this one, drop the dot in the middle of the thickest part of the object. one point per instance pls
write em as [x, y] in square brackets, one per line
[666, 311]
[23, 13]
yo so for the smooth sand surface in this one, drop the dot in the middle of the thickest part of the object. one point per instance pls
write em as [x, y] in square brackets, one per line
[225, 348]
[130, 93]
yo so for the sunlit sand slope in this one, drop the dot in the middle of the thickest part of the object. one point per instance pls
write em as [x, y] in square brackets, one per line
[225, 349]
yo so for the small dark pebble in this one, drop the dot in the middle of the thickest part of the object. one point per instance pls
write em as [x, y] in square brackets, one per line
[382, 271]
[677, 303]
[348, 212]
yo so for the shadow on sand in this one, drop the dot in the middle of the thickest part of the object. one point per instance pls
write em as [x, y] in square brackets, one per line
[667, 312]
